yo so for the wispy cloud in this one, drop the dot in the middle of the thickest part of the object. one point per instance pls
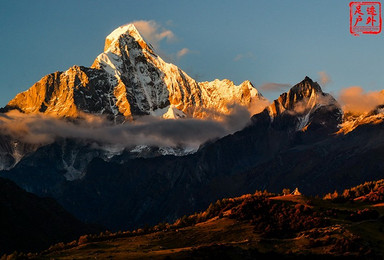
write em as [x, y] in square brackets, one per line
[182, 52]
[242, 56]
[274, 87]
[324, 78]
[157, 34]
[154, 33]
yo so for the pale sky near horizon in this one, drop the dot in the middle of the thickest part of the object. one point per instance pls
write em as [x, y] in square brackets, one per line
[268, 42]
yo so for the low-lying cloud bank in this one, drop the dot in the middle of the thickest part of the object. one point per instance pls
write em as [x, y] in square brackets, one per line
[152, 131]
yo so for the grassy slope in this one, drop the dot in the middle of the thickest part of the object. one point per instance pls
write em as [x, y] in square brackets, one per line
[236, 239]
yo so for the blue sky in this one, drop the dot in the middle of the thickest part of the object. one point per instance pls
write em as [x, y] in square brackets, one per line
[264, 41]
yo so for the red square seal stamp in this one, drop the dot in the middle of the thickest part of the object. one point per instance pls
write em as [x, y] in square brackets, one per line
[365, 18]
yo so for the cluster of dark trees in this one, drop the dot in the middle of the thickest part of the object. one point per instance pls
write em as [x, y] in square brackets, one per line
[219, 209]
[279, 219]
[372, 191]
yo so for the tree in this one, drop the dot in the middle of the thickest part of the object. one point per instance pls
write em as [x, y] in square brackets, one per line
[286, 191]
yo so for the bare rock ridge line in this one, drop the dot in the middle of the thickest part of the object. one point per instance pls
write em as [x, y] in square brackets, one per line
[128, 80]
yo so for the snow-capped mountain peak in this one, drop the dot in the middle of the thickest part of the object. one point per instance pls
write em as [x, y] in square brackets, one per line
[128, 80]
[307, 104]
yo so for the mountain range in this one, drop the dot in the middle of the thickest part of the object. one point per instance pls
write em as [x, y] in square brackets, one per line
[302, 139]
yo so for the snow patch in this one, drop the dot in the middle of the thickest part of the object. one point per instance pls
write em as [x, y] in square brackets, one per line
[72, 173]
[303, 121]
[160, 111]
[176, 151]
[111, 151]
[174, 113]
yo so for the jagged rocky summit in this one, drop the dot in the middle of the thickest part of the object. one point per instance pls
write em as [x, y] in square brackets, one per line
[305, 106]
[129, 80]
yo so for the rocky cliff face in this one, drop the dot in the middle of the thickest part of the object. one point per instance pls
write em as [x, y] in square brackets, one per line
[12, 151]
[128, 80]
[68, 94]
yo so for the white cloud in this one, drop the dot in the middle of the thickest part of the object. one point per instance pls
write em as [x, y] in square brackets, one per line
[182, 52]
[154, 33]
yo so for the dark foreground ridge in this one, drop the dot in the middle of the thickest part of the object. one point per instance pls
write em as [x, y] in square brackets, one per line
[29, 223]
